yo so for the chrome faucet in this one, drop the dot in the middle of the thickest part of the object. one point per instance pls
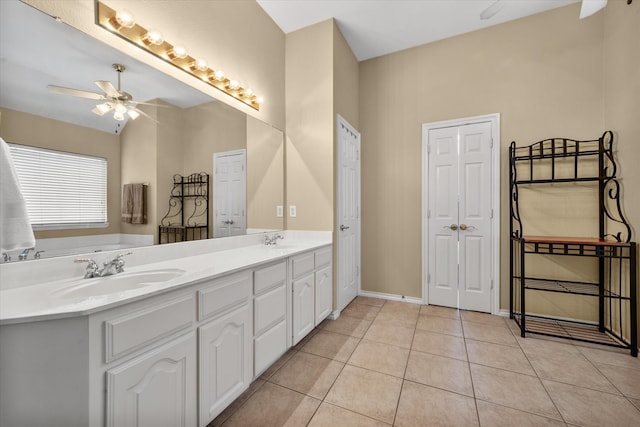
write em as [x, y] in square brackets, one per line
[6, 257]
[111, 267]
[271, 240]
[24, 254]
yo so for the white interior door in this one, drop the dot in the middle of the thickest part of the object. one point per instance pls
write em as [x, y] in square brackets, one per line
[229, 193]
[459, 216]
[348, 218]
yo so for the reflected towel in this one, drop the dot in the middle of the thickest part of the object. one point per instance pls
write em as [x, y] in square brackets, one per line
[15, 228]
[134, 203]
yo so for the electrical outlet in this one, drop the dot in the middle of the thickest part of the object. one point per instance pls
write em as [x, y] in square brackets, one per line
[292, 211]
[279, 211]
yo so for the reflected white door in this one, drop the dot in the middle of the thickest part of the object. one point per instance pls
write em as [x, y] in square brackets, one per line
[229, 193]
[459, 216]
[348, 220]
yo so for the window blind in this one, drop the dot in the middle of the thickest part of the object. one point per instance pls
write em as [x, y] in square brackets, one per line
[61, 188]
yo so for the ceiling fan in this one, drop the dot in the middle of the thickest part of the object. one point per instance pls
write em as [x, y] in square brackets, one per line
[116, 100]
[588, 8]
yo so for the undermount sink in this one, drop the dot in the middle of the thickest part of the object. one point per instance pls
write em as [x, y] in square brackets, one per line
[120, 283]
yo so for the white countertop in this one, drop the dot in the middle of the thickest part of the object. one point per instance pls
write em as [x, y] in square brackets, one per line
[48, 300]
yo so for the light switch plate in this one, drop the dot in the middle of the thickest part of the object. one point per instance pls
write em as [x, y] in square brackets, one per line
[279, 211]
[292, 211]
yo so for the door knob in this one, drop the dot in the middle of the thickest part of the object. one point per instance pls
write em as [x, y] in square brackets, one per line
[453, 227]
[343, 227]
[465, 227]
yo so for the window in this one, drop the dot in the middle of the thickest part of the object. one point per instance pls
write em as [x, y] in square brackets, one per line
[62, 190]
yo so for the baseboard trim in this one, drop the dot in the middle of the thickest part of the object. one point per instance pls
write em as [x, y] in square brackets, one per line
[390, 297]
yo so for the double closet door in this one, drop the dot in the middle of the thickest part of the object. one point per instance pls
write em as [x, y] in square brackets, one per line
[459, 217]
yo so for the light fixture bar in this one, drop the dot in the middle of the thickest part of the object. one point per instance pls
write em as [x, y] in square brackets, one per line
[152, 41]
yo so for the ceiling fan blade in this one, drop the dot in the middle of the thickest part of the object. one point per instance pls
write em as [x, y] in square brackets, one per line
[142, 113]
[492, 10]
[133, 101]
[74, 92]
[108, 88]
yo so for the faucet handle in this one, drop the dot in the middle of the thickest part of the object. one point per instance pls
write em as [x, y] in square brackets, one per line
[92, 267]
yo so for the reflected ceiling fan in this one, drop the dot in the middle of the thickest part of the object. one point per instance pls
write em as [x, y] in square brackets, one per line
[588, 8]
[116, 100]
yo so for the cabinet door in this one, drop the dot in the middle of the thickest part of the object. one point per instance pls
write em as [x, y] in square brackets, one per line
[324, 293]
[226, 359]
[303, 307]
[155, 389]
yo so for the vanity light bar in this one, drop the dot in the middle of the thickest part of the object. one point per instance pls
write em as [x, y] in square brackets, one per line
[123, 24]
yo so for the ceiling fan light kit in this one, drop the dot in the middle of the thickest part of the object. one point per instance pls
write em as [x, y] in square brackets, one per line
[123, 24]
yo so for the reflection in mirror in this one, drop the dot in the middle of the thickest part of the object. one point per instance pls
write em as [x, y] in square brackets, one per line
[191, 129]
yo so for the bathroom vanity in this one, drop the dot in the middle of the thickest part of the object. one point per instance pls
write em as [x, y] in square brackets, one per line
[172, 344]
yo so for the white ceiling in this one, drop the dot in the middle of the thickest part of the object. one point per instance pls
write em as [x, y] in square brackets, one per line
[379, 27]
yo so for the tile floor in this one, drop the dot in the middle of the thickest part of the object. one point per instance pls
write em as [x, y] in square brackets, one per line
[389, 363]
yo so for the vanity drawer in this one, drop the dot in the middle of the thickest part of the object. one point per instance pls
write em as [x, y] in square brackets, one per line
[269, 308]
[302, 264]
[136, 330]
[269, 277]
[223, 294]
[323, 257]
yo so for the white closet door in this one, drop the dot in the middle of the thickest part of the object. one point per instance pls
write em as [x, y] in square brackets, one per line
[459, 198]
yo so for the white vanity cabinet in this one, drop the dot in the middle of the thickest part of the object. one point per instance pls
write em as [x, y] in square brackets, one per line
[224, 343]
[312, 288]
[269, 315]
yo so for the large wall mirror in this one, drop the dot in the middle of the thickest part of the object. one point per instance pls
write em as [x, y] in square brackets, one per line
[183, 131]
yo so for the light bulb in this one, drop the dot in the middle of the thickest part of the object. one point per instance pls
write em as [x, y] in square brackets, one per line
[234, 84]
[218, 75]
[118, 116]
[125, 18]
[133, 114]
[248, 92]
[103, 108]
[260, 100]
[120, 109]
[179, 52]
[200, 64]
[154, 37]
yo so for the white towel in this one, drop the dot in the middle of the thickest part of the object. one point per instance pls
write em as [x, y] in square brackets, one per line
[15, 228]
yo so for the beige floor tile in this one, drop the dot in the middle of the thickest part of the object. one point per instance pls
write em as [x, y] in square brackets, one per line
[439, 371]
[400, 307]
[278, 364]
[586, 407]
[406, 319]
[440, 324]
[383, 358]
[361, 311]
[636, 402]
[387, 333]
[542, 347]
[617, 357]
[440, 344]
[436, 310]
[309, 374]
[307, 338]
[366, 392]
[236, 404]
[626, 380]
[347, 325]
[331, 416]
[576, 370]
[484, 318]
[500, 416]
[517, 391]
[499, 356]
[275, 406]
[488, 333]
[377, 302]
[331, 345]
[421, 405]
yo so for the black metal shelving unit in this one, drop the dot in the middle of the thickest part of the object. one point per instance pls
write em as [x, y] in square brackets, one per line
[188, 214]
[561, 161]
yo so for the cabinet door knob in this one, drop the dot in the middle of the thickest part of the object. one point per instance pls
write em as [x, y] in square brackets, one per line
[343, 227]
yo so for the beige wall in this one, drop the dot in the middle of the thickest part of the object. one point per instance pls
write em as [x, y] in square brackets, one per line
[27, 129]
[235, 36]
[543, 74]
[309, 131]
[265, 163]
[622, 98]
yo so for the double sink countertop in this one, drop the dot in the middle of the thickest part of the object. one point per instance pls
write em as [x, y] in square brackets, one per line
[55, 298]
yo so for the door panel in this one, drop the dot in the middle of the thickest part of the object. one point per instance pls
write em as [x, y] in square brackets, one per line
[229, 194]
[459, 223]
